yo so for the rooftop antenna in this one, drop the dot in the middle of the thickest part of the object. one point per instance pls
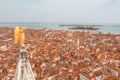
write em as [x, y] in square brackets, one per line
[23, 69]
[23, 22]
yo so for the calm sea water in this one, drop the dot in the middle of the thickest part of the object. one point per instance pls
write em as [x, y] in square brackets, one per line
[105, 28]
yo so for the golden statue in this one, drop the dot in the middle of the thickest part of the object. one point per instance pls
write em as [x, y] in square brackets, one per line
[19, 34]
[23, 69]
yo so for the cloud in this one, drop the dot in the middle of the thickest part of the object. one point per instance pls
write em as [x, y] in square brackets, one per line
[60, 10]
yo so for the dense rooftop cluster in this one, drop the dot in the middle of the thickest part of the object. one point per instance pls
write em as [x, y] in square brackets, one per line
[63, 55]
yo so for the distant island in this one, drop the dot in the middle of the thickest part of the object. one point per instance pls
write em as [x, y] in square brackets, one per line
[78, 25]
[83, 27]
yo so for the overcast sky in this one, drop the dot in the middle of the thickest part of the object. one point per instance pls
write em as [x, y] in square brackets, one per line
[60, 11]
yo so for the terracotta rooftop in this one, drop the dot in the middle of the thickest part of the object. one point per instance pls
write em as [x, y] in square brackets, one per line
[59, 54]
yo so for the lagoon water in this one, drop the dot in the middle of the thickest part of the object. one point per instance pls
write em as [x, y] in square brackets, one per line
[105, 28]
